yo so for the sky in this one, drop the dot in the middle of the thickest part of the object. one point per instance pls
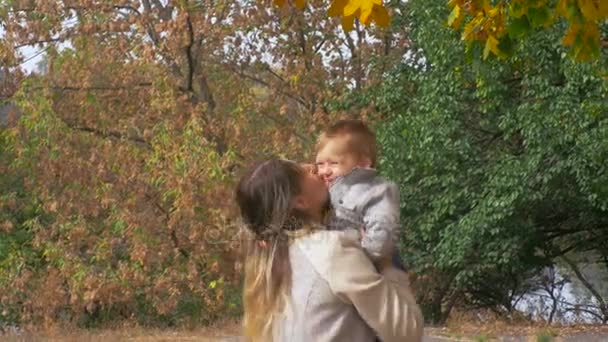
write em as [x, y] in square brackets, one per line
[32, 55]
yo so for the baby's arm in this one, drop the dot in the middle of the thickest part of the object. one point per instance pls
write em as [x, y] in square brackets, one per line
[381, 220]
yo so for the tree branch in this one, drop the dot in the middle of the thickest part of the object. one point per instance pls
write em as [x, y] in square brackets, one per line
[156, 41]
[268, 85]
[107, 134]
[100, 88]
[356, 59]
[589, 286]
[189, 56]
[320, 45]
[42, 41]
[172, 232]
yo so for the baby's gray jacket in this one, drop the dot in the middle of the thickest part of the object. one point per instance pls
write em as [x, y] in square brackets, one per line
[363, 199]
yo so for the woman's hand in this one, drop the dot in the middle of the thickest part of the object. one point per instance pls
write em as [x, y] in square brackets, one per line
[384, 263]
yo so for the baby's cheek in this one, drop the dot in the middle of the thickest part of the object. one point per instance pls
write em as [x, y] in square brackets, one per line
[340, 171]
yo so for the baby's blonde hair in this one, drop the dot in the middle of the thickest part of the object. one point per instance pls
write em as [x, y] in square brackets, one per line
[360, 140]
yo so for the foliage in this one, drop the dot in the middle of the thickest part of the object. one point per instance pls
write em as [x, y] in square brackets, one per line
[131, 138]
[495, 24]
[500, 163]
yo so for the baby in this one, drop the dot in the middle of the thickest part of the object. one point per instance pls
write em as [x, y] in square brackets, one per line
[346, 157]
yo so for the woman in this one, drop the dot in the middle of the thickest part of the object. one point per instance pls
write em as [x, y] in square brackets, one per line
[306, 283]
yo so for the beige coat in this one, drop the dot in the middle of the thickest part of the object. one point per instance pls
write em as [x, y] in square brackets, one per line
[337, 295]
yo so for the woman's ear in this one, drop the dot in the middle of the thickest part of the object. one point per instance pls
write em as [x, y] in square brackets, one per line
[299, 203]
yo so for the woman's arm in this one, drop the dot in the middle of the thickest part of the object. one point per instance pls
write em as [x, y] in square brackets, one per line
[384, 300]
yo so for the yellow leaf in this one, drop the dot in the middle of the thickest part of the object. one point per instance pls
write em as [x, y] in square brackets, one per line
[603, 9]
[348, 23]
[351, 7]
[336, 8]
[471, 27]
[381, 16]
[491, 46]
[366, 12]
[455, 18]
[300, 4]
[487, 6]
[280, 3]
[588, 9]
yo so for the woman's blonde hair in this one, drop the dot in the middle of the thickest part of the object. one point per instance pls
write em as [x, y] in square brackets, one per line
[264, 196]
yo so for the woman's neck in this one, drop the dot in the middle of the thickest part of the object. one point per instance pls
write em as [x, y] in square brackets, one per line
[318, 218]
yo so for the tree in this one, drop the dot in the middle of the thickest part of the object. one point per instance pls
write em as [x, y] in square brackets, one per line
[500, 163]
[129, 144]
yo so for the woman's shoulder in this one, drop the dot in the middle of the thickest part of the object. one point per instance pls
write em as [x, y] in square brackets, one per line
[325, 247]
[329, 239]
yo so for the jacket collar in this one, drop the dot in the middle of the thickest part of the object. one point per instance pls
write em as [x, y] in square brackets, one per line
[355, 176]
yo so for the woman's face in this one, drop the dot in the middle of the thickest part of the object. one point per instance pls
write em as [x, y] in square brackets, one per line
[314, 197]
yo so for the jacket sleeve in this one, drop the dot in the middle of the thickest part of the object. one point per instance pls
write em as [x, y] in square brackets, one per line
[384, 300]
[381, 219]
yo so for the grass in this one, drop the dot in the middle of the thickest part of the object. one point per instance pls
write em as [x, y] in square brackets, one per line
[545, 336]
[482, 338]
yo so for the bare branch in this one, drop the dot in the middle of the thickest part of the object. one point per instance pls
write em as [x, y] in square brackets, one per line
[355, 58]
[320, 45]
[189, 56]
[268, 85]
[42, 41]
[101, 88]
[602, 304]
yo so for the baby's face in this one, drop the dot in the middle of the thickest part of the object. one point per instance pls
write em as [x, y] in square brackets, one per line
[335, 160]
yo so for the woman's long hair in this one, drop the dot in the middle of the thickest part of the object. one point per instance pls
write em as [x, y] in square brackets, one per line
[264, 195]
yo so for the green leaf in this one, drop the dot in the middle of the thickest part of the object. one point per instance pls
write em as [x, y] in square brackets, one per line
[518, 27]
[505, 46]
[539, 16]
